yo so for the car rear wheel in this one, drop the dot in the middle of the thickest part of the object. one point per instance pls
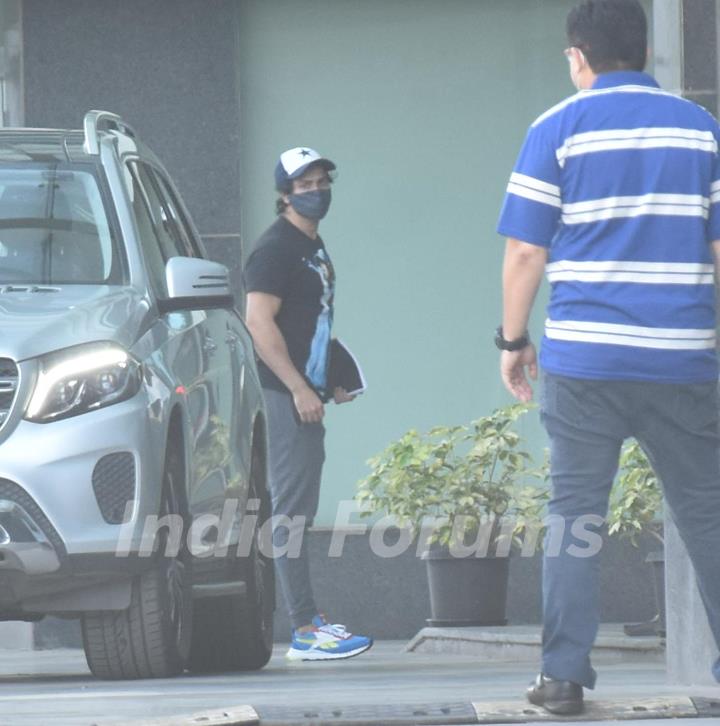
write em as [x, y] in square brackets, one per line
[236, 632]
[151, 639]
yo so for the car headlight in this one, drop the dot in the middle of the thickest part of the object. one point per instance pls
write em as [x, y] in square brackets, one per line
[82, 379]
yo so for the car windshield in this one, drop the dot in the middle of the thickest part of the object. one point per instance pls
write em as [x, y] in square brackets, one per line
[53, 228]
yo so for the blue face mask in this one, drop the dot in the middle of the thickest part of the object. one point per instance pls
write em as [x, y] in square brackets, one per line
[313, 205]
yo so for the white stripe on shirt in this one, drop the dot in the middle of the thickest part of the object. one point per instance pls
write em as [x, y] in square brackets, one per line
[631, 335]
[594, 210]
[591, 93]
[535, 189]
[657, 273]
[533, 183]
[639, 138]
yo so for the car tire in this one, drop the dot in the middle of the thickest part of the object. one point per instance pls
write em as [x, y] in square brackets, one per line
[235, 633]
[151, 639]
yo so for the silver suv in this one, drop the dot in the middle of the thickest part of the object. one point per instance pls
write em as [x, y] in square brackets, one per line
[132, 428]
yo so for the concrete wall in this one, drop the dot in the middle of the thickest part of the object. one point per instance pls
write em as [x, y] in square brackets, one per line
[169, 68]
[423, 105]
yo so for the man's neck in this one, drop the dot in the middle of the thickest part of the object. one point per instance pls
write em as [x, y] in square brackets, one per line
[307, 226]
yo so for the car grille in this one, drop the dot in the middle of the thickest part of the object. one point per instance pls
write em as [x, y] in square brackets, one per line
[8, 388]
[113, 481]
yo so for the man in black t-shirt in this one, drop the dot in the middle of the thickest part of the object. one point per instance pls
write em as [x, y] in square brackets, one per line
[290, 282]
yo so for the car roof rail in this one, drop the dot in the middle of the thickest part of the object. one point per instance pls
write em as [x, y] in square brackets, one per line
[95, 121]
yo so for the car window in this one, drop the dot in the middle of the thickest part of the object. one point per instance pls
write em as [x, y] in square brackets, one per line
[150, 242]
[175, 214]
[172, 243]
[54, 228]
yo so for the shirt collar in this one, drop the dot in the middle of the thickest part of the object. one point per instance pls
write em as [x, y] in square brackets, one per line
[624, 78]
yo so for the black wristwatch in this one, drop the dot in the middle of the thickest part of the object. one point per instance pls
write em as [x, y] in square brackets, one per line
[517, 344]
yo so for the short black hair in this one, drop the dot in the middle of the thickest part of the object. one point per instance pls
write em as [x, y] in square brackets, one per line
[611, 33]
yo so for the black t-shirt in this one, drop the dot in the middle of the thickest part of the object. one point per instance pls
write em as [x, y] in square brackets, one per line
[292, 266]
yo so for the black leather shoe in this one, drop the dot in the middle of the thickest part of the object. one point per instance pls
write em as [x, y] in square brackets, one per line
[561, 697]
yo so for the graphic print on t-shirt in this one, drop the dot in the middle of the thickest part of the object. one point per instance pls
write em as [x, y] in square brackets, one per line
[317, 363]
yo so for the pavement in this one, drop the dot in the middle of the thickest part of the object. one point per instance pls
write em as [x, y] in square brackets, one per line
[388, 686]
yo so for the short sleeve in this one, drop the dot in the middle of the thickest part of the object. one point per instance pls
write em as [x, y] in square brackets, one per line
[533, 203]
[714, 218]
[268, 270]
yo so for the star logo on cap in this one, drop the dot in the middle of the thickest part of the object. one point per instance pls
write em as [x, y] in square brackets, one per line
[304, 152]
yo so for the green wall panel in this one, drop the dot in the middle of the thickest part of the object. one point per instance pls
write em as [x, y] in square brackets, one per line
[423, 105]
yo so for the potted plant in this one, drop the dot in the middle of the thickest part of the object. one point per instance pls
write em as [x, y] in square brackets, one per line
[466, 491]
[635, 504]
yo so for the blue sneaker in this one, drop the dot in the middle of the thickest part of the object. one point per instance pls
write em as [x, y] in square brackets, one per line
[326, 641]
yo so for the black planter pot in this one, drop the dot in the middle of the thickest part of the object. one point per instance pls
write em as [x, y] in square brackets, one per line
[467, 591]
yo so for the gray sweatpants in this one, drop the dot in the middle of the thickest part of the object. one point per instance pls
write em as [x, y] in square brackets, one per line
[296, 457]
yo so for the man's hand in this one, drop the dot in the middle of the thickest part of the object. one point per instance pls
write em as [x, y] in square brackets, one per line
[340, 395]
[512, 371]
[308, 405]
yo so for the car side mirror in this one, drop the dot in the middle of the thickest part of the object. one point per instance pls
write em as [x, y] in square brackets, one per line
[196, 284]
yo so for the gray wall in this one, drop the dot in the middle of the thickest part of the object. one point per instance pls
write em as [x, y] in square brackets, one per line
[169, 68]
[388, 598]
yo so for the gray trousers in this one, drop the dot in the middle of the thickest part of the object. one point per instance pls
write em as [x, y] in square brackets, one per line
[296, 456]
[587, 421]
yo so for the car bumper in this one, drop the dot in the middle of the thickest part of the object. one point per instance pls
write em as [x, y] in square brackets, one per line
[49, 487]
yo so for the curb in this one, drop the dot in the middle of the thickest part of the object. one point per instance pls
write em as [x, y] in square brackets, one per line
[233, 716]
[502, 644]
[444, 714]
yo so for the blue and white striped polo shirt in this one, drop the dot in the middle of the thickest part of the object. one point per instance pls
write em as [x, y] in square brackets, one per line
[622, 183]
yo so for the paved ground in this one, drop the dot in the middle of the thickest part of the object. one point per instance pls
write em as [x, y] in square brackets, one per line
[55, 687]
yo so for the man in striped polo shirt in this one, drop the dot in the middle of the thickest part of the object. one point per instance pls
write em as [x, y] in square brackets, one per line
[616, 196]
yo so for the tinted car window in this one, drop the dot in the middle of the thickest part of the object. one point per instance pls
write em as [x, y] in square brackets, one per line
[172, 242]
[152, 252]
[172, 208]
[54, 228]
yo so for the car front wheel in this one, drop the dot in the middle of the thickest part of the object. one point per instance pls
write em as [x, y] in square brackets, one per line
[151, 639]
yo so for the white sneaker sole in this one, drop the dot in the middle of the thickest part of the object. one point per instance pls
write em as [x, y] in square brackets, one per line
[317, 654]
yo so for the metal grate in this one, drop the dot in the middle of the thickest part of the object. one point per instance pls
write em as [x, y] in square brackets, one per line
[113, 481]
[13, 492]
[8, 388]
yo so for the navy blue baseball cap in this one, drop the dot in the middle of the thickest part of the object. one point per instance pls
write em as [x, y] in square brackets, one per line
[295, 162]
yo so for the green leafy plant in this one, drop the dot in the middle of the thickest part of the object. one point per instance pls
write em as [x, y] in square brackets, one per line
[462, 477]
[637, 498]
